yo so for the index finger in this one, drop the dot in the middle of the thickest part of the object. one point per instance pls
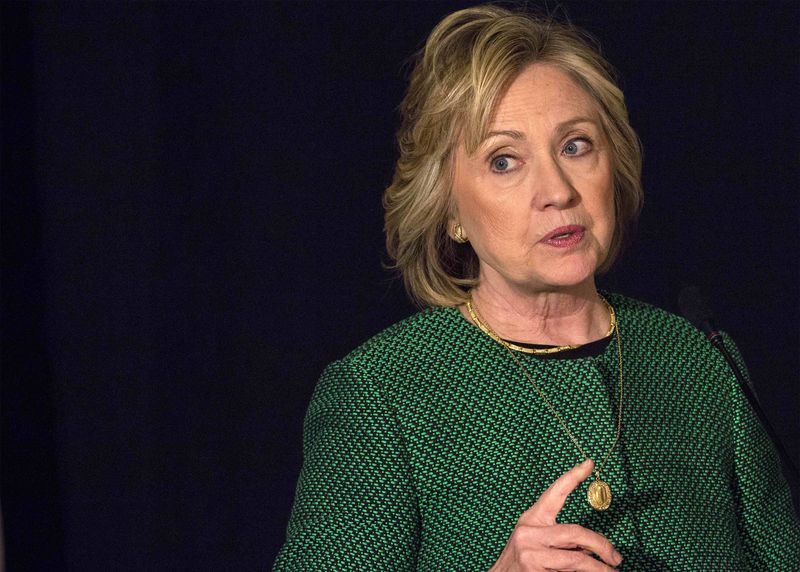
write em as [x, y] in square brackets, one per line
[547, 507]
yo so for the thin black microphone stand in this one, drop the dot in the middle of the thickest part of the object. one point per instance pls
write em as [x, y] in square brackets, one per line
[790, 471]
[694, 307]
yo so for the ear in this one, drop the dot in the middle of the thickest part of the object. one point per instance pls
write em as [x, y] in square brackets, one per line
[452, 221]
[454, 229]
[456, 232]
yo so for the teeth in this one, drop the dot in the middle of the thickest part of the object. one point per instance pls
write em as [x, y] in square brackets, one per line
[563, 235]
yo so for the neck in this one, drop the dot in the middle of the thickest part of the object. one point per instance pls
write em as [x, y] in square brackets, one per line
[574, 315]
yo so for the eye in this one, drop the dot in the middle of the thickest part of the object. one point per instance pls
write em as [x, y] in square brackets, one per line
[578, 147]
[503, 163]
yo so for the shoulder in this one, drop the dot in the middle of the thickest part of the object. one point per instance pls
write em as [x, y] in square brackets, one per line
[644, 312]
[427, 345]
[642, 319]
[659, 337]
[420, 337]
[417, 326]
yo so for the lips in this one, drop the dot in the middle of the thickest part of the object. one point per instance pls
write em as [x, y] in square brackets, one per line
[564, 236]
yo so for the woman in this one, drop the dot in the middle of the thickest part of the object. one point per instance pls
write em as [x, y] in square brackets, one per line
[524, 421]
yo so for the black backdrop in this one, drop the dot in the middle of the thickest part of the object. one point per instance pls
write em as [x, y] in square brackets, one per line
[191, 230]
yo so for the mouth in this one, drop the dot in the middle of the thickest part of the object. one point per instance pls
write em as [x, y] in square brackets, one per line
[564, 236]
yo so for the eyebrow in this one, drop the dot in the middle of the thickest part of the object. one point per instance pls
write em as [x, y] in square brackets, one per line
[560, 128]
[567, 125]
[517, 135]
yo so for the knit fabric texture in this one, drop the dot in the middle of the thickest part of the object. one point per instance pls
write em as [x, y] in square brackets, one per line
[424, 446]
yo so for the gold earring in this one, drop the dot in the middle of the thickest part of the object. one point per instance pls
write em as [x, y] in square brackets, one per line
[458, 234]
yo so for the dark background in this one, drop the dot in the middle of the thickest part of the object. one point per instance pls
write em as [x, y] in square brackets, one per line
[192, 229]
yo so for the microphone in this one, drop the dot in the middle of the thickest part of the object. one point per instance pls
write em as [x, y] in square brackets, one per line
[694, 308]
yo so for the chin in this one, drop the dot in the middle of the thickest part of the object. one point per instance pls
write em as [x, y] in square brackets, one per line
[568, 285]
[570, 277]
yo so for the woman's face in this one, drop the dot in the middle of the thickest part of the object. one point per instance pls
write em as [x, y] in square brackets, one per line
[536, 199]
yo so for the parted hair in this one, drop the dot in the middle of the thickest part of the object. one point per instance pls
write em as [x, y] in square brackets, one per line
[467, 63]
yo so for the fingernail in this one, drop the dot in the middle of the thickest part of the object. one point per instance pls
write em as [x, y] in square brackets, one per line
[617, 558]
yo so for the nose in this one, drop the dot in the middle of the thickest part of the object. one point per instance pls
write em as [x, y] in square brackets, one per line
[552, 187]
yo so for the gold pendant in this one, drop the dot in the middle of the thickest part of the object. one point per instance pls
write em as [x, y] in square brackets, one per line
[599, 495]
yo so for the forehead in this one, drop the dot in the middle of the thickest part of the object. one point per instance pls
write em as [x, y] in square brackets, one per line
[542, 96]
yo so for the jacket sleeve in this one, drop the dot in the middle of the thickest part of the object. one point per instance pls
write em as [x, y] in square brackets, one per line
[768, 525]
[355, 507]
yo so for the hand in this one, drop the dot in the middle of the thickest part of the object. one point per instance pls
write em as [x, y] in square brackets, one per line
[538, 543]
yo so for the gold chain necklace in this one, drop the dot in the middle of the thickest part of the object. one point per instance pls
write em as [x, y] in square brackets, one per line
[536, 351]
[599, 493]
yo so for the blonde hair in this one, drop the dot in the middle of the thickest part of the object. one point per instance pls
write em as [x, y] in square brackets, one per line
[468, 61]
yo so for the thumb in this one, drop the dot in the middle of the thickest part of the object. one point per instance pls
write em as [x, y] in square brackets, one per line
[545, 510]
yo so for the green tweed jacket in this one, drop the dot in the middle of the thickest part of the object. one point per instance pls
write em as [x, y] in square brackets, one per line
[424, 445]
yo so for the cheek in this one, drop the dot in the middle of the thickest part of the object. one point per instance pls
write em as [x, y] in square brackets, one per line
[609, 200]
[474, 205]
[604, 216]
[609, 222]
[493, 223]
[603, 197]
[605, 204]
